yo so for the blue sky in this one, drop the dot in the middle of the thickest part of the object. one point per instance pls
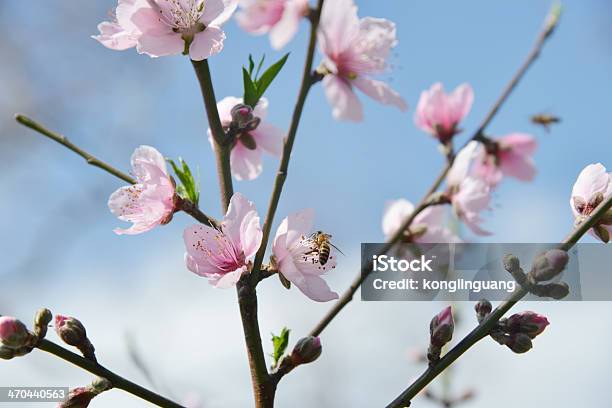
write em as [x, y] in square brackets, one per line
[57, 230]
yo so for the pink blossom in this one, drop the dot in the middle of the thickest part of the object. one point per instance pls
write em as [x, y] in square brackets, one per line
[121, 33]
[469, 195]
[432, 218]
[149, 202]
[224, 255]
[354, 49]
[280, 18]
[509, 155]
[245, 158]
[594, 185]
[297, 258]
[439, 113]
[13, 333]
[168, 27]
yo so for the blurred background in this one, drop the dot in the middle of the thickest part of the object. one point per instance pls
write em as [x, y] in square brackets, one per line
[58, 249]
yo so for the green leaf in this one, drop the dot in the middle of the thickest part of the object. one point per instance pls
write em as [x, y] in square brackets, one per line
[250, 90]
[261, 61]
[280, 343]
[268, 76]
[188, 188]
[251, 65]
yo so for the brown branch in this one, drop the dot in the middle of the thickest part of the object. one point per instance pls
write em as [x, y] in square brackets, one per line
[116, 380]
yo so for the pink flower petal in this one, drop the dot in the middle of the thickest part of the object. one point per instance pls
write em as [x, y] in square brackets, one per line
[395, 214]
[250, 235]
[519, 166]
[287, 26]
[245, 163]
[316, 289]
[270, 138]
[206, 43]
[160, 42]
[339, 26]
[114, 37]
[229, 279]
[238, 209]
[217, 12]
[380, 91]
[344, 102]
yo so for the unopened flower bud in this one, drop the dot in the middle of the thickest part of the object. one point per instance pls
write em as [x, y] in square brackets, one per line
[306, 350]
[529, 323]
[241, 115]
[557, 290]
[511, 263]
[441, 328]
[519, 343]
[13, 333]
[73, 333]
[41, 322]
[549, 264]
[602, 233]
[100, 385]
[6, 353]
[483, 308]
[606, 219]
[78, 398]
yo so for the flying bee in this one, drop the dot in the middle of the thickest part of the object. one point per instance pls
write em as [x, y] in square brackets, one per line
[322, 246]
[545, 120]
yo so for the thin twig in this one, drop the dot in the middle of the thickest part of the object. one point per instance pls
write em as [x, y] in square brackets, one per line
[307, 81]
[116, 380]
[63, 140]
[186, 206]
[483, 329]
[347, 296]
[222, 147]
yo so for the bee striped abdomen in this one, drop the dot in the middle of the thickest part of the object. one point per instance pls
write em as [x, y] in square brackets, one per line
[324, 250]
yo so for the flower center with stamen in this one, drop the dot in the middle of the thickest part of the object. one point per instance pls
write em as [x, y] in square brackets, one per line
[181, 16]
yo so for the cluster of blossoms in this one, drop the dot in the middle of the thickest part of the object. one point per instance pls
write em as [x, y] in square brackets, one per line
[477, 168]
[225, 253]
[353, 51]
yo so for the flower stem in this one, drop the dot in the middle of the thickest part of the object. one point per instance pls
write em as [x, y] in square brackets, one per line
[222, 147]
[307, 81]
[263, 388]
[483, 329]
[347, 296]
[116, 380]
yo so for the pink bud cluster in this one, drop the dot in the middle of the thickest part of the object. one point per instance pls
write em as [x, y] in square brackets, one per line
[517, 331]
[15, 339]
